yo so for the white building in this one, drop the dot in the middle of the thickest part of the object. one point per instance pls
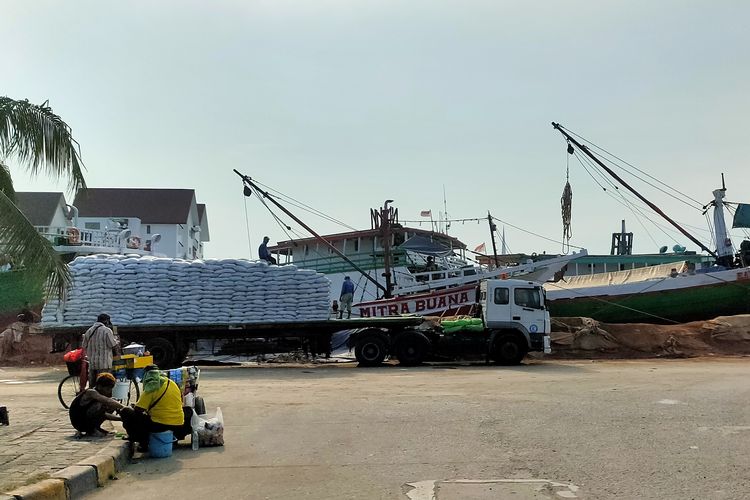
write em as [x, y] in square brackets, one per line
[141, 214]
[45, 211]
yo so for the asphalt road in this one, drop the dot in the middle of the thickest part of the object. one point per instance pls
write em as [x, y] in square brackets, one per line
[635, 429]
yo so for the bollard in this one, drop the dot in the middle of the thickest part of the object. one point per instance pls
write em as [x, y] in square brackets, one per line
[4, 416]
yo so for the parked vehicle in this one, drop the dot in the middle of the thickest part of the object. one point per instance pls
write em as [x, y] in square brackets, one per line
[514, 321]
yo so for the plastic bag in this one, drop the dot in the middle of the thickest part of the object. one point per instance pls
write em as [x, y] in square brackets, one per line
[73, 356]
[210, 431]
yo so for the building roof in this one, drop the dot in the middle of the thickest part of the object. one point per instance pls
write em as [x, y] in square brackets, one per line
[152, 206]
[332, 238]
[39, 208]
[203, 218]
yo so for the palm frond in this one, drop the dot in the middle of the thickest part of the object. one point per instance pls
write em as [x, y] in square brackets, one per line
[40, 140]
[30, 249]
[6, 183]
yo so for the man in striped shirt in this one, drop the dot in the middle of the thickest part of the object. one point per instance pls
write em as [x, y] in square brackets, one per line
[98, 342]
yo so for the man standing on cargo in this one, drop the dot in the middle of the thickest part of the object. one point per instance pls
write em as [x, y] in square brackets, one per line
[347, 295]
[98, 342]
[263, 253]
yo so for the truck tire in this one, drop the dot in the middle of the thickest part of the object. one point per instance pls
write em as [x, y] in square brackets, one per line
[163, 351]
[508, 350]
[370, 350]
[411, 349]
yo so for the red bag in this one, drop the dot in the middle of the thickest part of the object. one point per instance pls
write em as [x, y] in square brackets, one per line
[73, 356]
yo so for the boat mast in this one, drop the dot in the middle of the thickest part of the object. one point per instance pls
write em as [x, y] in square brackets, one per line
[249, 182]
[386, 217]
[723, 241]
[493, 228]
[653, 207]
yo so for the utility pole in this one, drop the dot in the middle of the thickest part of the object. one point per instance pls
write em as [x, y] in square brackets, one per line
[493, 228]
[385, 228]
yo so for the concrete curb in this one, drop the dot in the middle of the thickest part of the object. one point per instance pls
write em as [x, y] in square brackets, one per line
[72, 482]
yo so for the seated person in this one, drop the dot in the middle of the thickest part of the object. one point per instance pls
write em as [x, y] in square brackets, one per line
[431, 266]
[159, 409]
[92, 407]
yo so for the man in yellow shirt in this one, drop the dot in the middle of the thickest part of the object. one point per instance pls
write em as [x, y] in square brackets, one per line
[158, 409]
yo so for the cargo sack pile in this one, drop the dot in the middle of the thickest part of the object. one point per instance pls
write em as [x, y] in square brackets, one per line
[154, 291]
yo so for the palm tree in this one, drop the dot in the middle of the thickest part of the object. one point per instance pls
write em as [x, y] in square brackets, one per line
[41, 142]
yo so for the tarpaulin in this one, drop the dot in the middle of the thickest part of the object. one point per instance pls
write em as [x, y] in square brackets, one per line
[424, 245]
[742, 216]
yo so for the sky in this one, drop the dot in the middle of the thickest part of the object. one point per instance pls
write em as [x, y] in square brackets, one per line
[342, 104]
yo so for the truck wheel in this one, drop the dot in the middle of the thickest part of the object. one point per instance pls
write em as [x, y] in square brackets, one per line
[508, 350]
[370, 350]
[411, 349]
[163, 351]
[181, 352]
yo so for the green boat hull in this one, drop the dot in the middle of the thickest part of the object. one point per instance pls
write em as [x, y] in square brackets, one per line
[680, 305]
[18, 289]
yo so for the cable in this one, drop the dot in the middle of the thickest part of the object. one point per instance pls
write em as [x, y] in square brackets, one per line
[639, 170]
[305, 207]
[615, 304]
[566, 206]
[532, 233]
[247, 225]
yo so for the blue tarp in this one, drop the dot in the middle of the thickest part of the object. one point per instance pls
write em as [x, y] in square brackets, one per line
[424, 245]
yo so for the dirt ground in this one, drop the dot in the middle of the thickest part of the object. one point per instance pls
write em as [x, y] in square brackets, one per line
[584, 338]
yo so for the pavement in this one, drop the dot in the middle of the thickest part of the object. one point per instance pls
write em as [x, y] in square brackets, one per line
[551, 429]
[40, 441]
[656, 429]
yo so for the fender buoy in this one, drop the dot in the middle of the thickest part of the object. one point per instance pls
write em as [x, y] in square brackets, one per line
[134, 242]
[74, 235]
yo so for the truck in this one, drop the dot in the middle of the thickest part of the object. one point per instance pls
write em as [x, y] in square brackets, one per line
[514, 322]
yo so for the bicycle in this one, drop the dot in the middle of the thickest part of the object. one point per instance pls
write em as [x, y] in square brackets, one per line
[75, 383]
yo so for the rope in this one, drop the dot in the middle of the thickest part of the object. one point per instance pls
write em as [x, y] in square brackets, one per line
[247, 225]
[566, 205]
[615, 304]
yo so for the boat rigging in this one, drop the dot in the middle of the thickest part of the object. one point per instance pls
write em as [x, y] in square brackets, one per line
[572, 141]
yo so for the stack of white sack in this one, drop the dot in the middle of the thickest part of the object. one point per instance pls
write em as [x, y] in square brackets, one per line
[152, 291]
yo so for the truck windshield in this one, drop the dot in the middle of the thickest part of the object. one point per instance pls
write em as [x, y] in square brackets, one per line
[528, 297]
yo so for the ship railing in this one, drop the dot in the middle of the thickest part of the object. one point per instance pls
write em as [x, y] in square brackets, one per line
[334, 264]
[62, 237]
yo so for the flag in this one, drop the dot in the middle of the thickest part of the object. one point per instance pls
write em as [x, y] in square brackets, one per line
[742, 216]
[426, 213]
[481, 248]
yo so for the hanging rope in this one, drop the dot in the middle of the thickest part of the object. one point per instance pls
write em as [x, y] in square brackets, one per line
[566, 204]
[247, 225]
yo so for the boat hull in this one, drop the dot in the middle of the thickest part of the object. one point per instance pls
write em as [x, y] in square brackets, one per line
[673, 300]
[448, 302]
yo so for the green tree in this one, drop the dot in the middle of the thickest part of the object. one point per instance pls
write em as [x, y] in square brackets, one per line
[39, 141]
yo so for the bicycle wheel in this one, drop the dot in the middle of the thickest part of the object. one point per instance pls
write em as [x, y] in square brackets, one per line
[134, 392]
[68, 389]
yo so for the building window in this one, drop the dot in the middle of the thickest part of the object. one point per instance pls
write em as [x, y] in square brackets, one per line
[148, 229]
[92, 225]
[356, 245]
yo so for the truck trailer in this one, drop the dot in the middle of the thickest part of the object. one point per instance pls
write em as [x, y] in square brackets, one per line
[513, 313]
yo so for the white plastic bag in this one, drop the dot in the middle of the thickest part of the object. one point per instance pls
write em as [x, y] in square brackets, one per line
[211, 431]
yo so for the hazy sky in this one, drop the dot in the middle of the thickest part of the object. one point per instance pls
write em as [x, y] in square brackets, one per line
[343, 104]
